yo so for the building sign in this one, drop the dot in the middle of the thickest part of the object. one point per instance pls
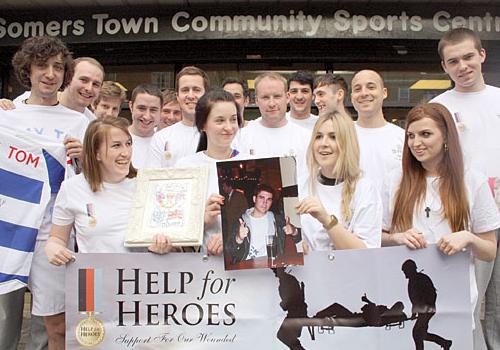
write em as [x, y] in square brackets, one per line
[358, 299]
[188, 24]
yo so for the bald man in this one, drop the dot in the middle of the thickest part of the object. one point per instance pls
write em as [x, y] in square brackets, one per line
[380, 142]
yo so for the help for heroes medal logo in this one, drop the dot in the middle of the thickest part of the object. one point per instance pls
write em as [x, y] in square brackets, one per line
[90, 330]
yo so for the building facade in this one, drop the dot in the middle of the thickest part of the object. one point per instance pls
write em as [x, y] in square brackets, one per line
[149, 41]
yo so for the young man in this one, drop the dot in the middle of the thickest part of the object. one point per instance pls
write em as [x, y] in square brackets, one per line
[239, 89]
[380, 142]
[181, 139]
[273, 135]
[475, 108]
[82, 90]
[43, 65]
[329, 94]
[248, 237]
[84, 87]
[145, 107]
[300, 96]
[110, 100]
[171, 111]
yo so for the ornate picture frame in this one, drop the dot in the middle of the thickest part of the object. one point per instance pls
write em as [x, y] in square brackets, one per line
[170, 201]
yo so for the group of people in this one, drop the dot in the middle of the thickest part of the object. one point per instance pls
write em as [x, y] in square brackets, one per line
[362, 184]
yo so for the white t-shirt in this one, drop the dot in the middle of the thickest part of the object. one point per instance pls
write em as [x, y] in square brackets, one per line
[258, 236]
[291, 139]
[171, 144]
[100, 218]
[307, 123]
[200, 158]
[25, 95]
[477, 115]
[140, 149]
[51, 122]
[381, 151]
[89, 114]
[366, 218]
[483, 212]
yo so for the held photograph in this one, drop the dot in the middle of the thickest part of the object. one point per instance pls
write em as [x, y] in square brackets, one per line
[260, 226]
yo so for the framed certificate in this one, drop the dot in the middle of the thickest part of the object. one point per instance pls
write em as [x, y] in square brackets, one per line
[169, 201]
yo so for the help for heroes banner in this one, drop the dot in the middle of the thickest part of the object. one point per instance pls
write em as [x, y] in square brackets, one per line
[386, 298]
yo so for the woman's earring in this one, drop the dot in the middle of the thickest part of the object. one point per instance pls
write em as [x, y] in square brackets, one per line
[446, 147]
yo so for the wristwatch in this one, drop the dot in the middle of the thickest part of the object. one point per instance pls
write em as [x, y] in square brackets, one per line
[333, 221]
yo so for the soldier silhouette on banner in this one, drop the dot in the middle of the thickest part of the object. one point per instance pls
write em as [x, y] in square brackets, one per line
[422, 295]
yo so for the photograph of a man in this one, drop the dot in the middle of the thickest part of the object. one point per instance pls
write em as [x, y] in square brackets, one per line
[259, 227]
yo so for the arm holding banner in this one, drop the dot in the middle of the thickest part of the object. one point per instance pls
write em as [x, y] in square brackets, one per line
[341, 238]
[483, 245]
[410, 238]
[58, 253]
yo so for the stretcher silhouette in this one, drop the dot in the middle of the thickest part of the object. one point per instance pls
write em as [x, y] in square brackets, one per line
[336, 315]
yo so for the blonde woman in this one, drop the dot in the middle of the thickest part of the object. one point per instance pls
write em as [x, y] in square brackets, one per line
[341, 208]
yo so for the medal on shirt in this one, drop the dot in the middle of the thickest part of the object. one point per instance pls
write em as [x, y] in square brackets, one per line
[168, 154]
[91, 215]
[89, 331]
[458, 120]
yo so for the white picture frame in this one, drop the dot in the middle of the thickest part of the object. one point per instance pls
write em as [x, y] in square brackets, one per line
[169, 201]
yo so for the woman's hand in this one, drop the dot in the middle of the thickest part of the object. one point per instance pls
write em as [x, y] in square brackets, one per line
[214, 244]
[314, 207]
[161, 244]
[213, 208]
[57, 253]
[410, 238]
[455, 242]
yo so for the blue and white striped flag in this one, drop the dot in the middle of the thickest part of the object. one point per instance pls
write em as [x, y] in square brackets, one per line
[31, 168]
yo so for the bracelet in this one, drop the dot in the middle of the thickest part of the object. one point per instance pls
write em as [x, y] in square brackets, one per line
[333, 221]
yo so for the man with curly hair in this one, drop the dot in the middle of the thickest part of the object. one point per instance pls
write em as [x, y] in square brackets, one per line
[44, 66]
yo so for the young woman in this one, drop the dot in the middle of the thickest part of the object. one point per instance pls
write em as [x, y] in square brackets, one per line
[345, 210]
[217, 119]
[96, 203]
[436, 200]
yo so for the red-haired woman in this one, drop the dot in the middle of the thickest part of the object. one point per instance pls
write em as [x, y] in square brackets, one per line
[97, 204]
[436, 200]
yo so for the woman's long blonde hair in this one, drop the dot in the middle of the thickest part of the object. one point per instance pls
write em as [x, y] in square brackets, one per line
[346, 169]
